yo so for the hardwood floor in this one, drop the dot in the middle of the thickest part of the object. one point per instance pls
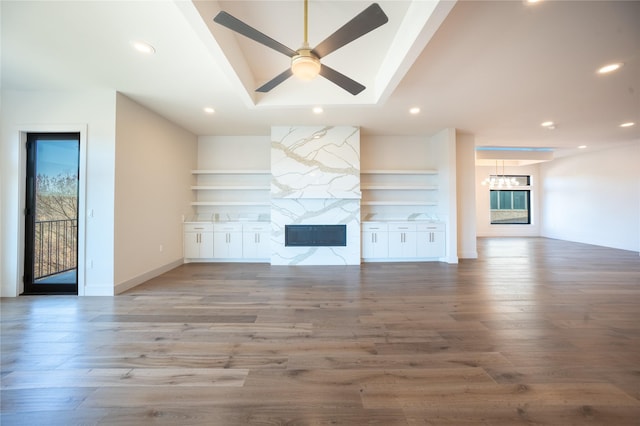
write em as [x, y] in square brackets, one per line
[535, 332]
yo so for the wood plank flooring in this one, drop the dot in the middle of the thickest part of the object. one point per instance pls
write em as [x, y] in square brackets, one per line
[534, 332]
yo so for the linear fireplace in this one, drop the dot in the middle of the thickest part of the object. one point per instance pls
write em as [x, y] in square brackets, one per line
[315, 235]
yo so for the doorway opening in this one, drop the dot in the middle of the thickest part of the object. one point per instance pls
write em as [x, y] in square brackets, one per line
[51, 213]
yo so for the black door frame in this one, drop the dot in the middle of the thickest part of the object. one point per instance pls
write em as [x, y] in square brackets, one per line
[30, 286]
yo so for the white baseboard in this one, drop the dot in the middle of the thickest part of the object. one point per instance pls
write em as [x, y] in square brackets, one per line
[468, 255]
[129, 284]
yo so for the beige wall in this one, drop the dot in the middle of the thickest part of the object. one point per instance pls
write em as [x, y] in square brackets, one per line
[154, 159]
[465, 195]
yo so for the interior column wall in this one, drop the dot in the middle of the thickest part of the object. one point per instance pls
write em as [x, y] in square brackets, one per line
[154, 158]
[25, 111]
[465, 195]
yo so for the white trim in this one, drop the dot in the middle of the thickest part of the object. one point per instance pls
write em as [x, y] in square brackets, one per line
[22, 131]
[133, 282]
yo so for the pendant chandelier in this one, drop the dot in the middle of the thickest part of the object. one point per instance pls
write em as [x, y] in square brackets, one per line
[500, 181]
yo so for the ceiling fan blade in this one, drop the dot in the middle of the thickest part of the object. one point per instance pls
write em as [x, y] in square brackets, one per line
[341, 80]
[275, 81]
[368, 20]
[226, 20]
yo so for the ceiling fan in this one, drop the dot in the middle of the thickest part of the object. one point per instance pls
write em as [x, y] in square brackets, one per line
[305, 62]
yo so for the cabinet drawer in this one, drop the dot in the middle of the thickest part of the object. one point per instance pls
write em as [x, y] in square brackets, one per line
[256, 227]
[374, 226]
[198, 227]
[402, 227]
[227, 227]
[430, 227]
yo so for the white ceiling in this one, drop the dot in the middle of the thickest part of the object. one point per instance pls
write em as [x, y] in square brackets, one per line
[494, 69]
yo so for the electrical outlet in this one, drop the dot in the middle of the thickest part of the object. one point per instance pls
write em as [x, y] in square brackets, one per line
[91, 264]
[161, 248]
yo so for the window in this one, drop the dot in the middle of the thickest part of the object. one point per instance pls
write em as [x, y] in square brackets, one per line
[511, 206]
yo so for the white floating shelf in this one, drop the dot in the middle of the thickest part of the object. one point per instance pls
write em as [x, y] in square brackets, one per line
[231, 172]
[398, 172]
[400, 187]
[399, 203]
[231, 187]
[231, 203]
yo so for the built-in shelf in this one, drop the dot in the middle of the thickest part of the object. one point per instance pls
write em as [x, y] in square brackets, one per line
[398, 172]
[399, 203]
[229, 187]
[388, 189]
[231, 203]
[231, 172]
[399, 187]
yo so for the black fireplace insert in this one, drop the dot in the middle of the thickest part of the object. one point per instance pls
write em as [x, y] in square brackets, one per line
[315, 235]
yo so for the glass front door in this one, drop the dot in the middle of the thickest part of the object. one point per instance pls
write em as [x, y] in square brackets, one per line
[51, 225]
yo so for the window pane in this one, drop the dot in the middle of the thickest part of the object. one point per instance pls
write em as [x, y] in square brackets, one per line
[505, 200]
[510, 207]
[494, 200]
[519, 200]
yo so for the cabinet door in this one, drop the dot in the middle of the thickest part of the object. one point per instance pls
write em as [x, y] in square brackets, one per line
[227, 245]
[191, 245]
[375, 245]
[256, 245]
[431, 240]
[206, 245]
[431, 244]
[402, 244]
[198, 245]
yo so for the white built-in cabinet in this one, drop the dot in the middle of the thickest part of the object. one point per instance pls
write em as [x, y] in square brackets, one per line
[227, 240]
[402, 241]
[375, 240]
[430, 240]
[198, 240]
[221, 194]
[256, 239]
[401, 205]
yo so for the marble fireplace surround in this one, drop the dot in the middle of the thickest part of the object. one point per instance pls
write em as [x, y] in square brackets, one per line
[315, 180]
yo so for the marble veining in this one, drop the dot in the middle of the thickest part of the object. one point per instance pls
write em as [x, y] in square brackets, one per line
[315, 181]
[315, 162]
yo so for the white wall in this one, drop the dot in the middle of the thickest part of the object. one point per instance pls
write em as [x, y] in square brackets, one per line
[594, 198]
[483, 212]
[234, 152]
[154, 159]
[466, 195]
[443, 148]
[94, 111]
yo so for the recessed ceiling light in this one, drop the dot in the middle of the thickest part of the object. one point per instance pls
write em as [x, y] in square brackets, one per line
[610, 68]
[318, 110]
[533, 1]
[629, 124]
[414, 110]
[548, 125]
[209, 110]
[582, 146]
[143, 47]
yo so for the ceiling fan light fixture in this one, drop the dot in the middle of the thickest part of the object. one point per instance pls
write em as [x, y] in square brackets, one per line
[305, 65]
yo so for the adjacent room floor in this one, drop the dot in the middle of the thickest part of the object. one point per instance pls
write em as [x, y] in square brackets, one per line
[535, 331]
